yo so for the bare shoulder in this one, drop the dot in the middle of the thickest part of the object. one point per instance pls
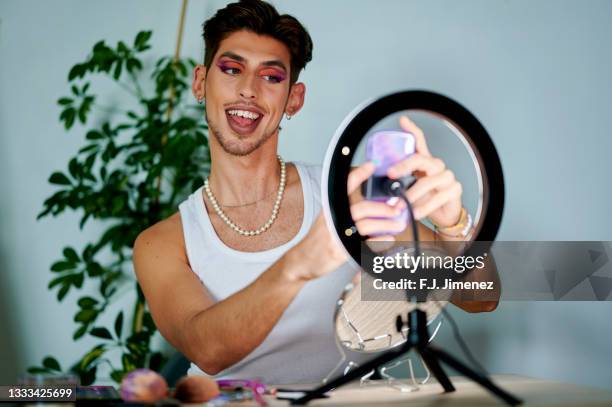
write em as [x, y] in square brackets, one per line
[164, 237]
[173, 292]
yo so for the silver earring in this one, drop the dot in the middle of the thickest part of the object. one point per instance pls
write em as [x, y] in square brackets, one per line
[200, 100]
[288, 116]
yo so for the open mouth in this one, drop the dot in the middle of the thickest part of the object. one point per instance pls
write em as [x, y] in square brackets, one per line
[243, 121]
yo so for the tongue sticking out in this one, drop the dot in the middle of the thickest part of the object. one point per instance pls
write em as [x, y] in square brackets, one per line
[242, 121]
[242, 125]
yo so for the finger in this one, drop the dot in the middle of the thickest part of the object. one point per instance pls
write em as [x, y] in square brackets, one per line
[423, 200]
[437, 200]
[419, 137]
[358, 175]
[380, 244]
[427, 184]
[366, 209]
[416, 162]
[370, 226]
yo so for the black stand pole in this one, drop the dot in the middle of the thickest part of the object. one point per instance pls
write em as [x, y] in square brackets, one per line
[418, 339]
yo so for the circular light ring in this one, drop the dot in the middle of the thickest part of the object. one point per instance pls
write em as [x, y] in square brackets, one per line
[355, 127]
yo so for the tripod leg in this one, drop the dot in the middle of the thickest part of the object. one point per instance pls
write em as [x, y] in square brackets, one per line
[436, 370]
[484, 381]
[352, 375]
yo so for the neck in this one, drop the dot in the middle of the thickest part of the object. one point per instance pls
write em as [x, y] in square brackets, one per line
[239, 180]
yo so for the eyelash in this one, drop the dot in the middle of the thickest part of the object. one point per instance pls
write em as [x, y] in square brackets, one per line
[226, 69]
[272, 78]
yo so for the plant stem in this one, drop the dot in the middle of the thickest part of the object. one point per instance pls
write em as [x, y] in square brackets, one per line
[177, 53]
[137, 85]
[108, 109]
[139, 310]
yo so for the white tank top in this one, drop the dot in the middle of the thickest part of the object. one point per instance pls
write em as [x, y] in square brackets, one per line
[301, 347]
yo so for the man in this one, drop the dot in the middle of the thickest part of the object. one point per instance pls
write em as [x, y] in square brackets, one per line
[243, 280]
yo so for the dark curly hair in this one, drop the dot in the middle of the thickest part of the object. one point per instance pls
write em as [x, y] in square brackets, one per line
[261, 18]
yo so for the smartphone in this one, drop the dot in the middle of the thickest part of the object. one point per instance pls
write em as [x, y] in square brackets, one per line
[385, 148]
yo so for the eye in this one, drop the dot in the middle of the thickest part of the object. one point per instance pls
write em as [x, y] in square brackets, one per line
[229, 68]
[272, 75]
[230, 71]
[272, 78]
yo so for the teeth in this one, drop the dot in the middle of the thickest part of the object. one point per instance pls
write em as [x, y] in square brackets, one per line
[244, 113]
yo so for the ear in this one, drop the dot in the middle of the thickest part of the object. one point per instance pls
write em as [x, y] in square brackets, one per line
[198, 85]
[296, 98]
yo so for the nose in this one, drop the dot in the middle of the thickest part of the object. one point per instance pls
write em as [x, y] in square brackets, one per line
[247, 88]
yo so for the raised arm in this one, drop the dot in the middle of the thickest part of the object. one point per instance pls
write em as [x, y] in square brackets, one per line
[217, 335]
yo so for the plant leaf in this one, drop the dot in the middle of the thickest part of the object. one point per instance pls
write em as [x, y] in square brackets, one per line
[79, 332]
[77, 71]
[119, 324]
[56, 281]
[77, 279]
[51, 363]
[74, 167]
[121, 47]
[141, 39]
[85, 315]
[88, 377]
[101, 332]
[59, 179]
[94, 135]
[84, 219]
[71, 255]
[94, 269]
[117, 375]
[117, 71]
[37, 370]
[128, 362]
[91, 356]
[62, 265]
[70, 115]
[63, 291]
[88, 148]
[87, 302]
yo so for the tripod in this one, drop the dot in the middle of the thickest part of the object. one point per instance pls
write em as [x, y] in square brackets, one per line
[418, 339]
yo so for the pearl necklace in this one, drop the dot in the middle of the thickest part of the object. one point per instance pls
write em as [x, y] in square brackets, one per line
[266, 226]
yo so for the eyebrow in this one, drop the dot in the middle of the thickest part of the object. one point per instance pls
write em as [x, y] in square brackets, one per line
[236, 57]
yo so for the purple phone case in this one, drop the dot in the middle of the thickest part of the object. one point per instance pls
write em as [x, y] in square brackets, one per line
[386, 148]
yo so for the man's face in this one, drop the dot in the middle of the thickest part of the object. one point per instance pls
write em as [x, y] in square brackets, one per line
[247, 91]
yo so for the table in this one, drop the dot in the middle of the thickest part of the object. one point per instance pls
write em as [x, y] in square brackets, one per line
[534, 392]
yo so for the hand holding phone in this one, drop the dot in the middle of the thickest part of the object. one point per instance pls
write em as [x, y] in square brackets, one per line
[385, 149]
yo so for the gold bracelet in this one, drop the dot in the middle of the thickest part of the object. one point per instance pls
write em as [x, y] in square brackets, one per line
[460, 229]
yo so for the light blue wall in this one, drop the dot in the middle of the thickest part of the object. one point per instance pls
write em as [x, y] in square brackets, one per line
[536, 74]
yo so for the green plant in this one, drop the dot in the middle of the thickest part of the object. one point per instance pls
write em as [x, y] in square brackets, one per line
[134, 169]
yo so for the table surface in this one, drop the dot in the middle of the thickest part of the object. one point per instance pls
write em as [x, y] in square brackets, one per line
[533, 392]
